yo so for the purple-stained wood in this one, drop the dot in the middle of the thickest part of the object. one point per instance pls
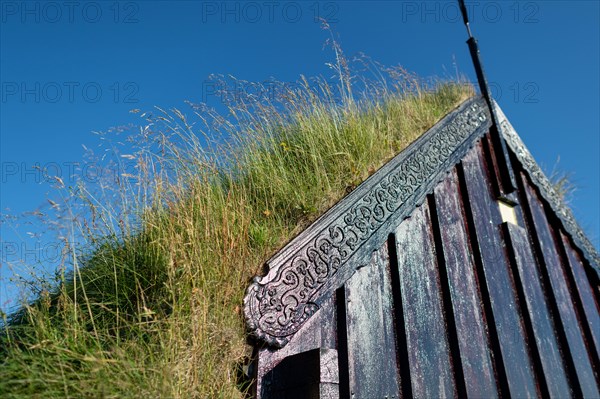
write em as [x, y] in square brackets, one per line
[457, 235]
[589, 301]
[457, 302]
[509, 328]
[566, 310]
[431, 370]
[471, 331]
[371, 337]
[539, 315]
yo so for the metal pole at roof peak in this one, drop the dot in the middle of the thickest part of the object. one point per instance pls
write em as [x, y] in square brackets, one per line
[507, 180]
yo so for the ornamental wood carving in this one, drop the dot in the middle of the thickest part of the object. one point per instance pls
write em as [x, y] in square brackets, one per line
[278, 304]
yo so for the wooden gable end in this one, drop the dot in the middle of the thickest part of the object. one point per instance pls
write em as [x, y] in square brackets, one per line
[422, 283]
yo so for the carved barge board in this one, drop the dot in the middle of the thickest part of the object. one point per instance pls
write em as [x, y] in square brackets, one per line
[414, 285]
[539, 179]
[301, 275]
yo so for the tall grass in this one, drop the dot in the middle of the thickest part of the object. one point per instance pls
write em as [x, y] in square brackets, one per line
[151, 306]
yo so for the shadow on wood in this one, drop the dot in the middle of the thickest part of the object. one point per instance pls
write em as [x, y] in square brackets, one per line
[307, 375]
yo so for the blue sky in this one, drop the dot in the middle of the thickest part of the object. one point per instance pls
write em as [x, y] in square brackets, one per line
[70, 68]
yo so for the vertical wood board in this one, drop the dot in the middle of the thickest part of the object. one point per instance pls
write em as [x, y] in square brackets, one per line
[428, 350]
[500, 286]
[371, 335]
[319, 332]
[586, 295]
[464, 291]
[567, 313]
[539, 315]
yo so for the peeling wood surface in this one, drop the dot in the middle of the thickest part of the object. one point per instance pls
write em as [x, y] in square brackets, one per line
[429, 354]
[588, 300]
[373, 368]
[538, 313]
[500, 286]
[473, 342]
[566, 311]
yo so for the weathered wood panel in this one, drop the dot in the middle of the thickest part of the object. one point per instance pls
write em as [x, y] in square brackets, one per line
[559, 210]
[471, 331]
[456, 303]
[372, 360]
[507, 321]
[307, 375]
[323, 257]
[588, 300]
[319, 332]
[548, 350]
[426, 337]
[566, 310]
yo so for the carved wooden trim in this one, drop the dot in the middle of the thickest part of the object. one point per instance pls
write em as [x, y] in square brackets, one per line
[547, 191]
[278, 304]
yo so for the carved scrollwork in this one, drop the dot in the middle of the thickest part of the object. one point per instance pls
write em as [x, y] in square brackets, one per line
[277, 305]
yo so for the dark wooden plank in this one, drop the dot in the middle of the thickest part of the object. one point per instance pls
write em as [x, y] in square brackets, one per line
[509, 329]
[471, 332]
[307, 375]
[318, 332]
[566, 310]
[428, 349]
[399, 324]
[372, 359]
[342, 342]
[588, 300]
[543, 328]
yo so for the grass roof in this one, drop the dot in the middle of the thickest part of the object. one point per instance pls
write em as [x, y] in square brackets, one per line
[150, 306]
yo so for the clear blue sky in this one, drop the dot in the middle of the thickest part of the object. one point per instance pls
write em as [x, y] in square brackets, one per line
[70, 68]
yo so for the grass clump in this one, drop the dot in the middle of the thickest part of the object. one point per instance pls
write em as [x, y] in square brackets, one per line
[151, 304]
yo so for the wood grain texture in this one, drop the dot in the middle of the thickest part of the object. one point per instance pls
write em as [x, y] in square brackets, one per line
[588, 300]
[500, 286]
[566, 310]
[428, 350]
[372, 359]
[539, 315]
[558, 207]
[469, 320]
[455, 303]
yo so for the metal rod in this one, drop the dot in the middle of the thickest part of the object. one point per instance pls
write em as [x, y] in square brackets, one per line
[507, 179]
